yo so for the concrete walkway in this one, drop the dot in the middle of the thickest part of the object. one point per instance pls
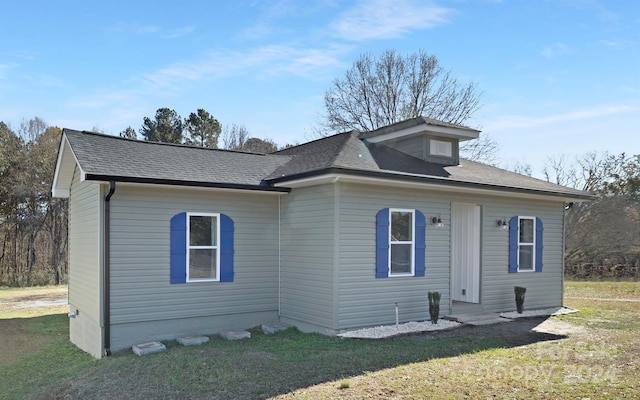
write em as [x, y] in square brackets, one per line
[485, 318]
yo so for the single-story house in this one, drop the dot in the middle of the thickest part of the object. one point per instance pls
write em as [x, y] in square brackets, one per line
[169, 240]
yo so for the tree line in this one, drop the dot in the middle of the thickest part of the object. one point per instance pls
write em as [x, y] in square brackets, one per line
[200, 129]
[33, 225]
[603, 235]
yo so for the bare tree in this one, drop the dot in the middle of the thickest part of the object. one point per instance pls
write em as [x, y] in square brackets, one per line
[558, 170]
[234, 136]
[484, 149]
[390, 88]
[379, 91]
[522, 168]
[606, 231]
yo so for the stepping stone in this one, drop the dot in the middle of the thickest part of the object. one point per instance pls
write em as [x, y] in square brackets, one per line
[192, 340]
[273, 328]
[148, 348]
[236, 335]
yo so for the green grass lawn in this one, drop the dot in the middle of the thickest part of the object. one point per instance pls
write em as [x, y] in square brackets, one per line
[598, 357]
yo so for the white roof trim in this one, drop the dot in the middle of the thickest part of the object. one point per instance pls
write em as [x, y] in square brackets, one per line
[461, 134]
[65, 166]
[389, 182]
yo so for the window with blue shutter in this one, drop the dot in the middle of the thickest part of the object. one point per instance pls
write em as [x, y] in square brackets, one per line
[525, 244]
[400, 243]
[201, 247]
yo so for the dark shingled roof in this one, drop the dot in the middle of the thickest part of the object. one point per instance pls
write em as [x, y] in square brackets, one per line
[104, 157]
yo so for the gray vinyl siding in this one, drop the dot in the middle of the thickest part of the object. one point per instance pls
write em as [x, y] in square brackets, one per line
[413, 145]
[141, 292]
[85, 259]
[365, 300]
[307, 269]
[544, 289]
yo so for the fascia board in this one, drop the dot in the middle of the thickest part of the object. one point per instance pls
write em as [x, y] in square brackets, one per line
[462, 134]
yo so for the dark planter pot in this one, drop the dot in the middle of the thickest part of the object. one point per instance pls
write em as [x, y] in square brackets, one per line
[434, 306]
[520, 291]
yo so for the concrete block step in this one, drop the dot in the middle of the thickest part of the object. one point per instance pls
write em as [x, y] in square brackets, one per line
[273, 328]
[148, 348]
[236, 335]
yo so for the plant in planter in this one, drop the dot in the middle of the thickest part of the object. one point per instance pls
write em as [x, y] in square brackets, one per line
[434, 306]
[520, 291]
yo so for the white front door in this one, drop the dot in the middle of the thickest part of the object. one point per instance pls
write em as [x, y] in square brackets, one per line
[465, 252]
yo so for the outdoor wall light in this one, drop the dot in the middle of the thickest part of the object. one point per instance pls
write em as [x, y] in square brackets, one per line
[502, 223]
[437, 221]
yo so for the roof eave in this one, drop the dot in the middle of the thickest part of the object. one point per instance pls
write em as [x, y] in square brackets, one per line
[184, 183]
[334, 174]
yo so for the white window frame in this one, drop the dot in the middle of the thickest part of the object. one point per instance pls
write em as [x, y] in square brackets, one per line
[532, 244]
[213, 247]
[412, 242]
[435, 145]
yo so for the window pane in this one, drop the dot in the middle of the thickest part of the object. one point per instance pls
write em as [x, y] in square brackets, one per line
[202, 264]
[401, 226]
[526, 257]
[526, 231]
[202, 231]
[401, 258]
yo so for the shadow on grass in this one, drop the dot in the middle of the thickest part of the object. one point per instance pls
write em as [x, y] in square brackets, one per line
[270, 365]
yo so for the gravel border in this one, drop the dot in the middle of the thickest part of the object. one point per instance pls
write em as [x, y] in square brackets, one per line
[387, 331]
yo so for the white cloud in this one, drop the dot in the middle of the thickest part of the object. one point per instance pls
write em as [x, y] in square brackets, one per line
[272, 59]
[554, 50]
[383, 19]
[521, 122]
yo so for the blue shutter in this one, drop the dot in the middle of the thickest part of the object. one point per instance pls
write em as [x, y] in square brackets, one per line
[178, 248]
[539, 246]
[513, 245]
[420, 243]
[226, 248]
[382, 243]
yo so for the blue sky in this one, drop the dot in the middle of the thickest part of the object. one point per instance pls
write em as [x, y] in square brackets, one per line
[558, 77]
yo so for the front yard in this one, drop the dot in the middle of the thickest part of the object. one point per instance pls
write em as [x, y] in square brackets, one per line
[591, 354]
